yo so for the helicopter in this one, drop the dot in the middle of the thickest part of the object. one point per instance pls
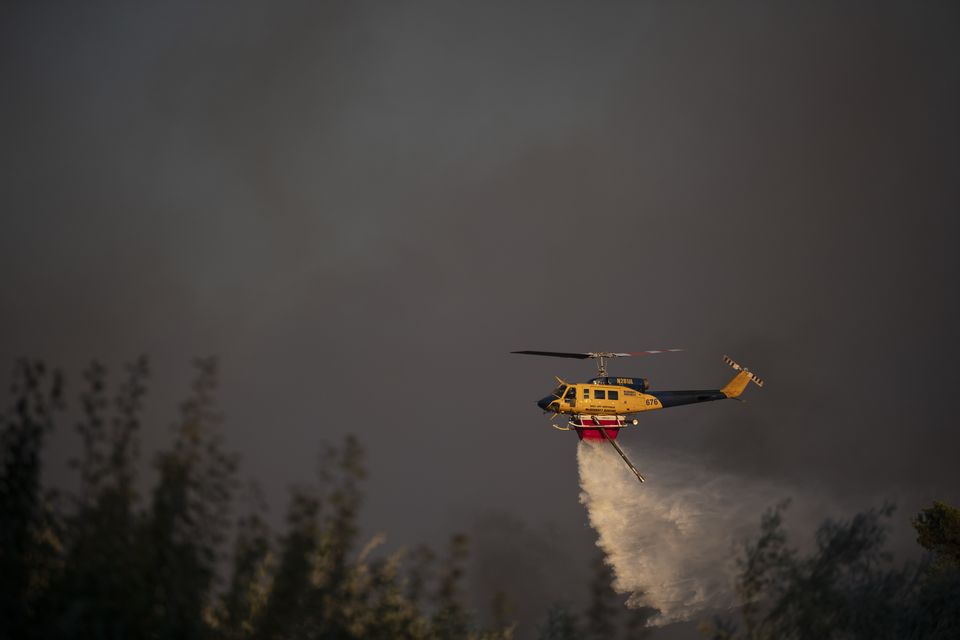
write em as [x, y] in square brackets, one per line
[598, 409]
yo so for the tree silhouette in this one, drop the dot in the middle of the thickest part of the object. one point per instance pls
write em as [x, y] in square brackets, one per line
[848, 587]
[29, 538]
[938, 531]
[561, 624]
[188, 517]
[247, 591]
[637, 622]
[450, 620]
[100, 587]
[419, 573]
[601, 616]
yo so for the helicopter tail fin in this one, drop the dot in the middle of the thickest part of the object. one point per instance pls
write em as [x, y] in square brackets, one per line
[744, 376]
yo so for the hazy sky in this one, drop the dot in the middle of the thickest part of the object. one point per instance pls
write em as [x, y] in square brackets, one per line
[363, 207]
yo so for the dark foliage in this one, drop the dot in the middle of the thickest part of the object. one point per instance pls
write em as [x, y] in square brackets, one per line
[848, 587]
[938, 530]
[605, 615]
[29, 544]
[601, 615]
[561, 624]
[107, 563]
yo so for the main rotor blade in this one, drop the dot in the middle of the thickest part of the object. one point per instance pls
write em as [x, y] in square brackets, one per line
[652, 351]
[556, 354]
[597, 354]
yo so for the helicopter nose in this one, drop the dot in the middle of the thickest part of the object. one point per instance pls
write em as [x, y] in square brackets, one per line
[543, 403]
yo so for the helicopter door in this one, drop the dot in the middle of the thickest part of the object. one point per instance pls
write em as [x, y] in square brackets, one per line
[571, 396]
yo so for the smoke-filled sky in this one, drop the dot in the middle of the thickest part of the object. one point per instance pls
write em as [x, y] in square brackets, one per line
[363, 207]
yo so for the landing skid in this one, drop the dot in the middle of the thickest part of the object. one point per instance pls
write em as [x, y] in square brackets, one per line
[583, 421]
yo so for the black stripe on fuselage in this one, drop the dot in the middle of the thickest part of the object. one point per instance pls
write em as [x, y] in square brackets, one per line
[677, 398]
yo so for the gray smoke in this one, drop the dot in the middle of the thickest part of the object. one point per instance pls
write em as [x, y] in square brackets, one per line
[673, 541]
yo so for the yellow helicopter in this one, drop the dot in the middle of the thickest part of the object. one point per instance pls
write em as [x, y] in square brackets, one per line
[598, 409]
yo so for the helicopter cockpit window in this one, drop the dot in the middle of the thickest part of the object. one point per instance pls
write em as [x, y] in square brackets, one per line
[558, 391]
[571, 393]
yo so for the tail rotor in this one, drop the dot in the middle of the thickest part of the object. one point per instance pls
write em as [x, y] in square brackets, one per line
[736, 367]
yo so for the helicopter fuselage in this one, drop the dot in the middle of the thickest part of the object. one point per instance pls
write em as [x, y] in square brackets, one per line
[600, 399]
[607, 396]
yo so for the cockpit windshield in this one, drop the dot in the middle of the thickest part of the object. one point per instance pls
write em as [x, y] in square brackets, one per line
[558, 391]
[571, 394]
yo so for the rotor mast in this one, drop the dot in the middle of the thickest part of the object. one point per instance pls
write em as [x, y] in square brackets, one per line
[601, 359]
